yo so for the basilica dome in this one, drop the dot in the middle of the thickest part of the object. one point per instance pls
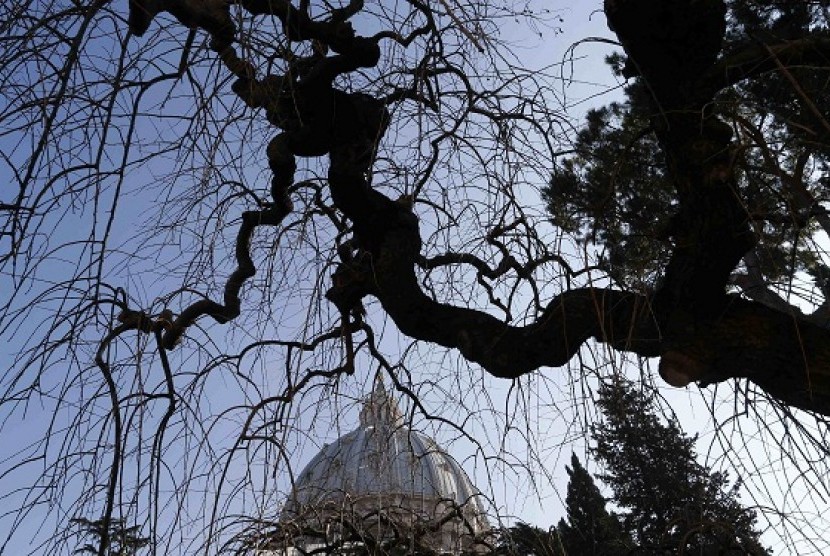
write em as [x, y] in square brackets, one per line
[385, 483]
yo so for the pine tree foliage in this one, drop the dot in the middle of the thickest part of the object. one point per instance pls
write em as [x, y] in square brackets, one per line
[671, 501]
[598, 193]
[595, 194]
[523, 539]
[121, 539]
[590, 529]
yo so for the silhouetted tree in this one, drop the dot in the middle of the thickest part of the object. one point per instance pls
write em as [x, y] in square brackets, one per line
[670, 501]
[710, 177]
[590, 528]
[523, 539]
[215, 213]
[596, 194]
[122, 540]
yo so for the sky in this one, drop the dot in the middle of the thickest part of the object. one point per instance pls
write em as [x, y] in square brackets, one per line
[527, 428]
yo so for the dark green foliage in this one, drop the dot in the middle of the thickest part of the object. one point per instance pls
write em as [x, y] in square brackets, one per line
[597, 194]
[771, 20]
[590, 529]
[527, 540]
[669, 499]
[614, 192]
[122, 540]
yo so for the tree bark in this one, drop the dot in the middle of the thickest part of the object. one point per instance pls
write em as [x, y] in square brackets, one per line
[702, 333]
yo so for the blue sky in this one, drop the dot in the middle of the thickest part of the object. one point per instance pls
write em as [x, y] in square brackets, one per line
[530, 425]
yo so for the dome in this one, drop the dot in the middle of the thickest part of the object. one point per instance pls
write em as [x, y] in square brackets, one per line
[386, 479]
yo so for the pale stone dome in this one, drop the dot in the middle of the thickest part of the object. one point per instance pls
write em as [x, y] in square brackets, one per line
[385, 479]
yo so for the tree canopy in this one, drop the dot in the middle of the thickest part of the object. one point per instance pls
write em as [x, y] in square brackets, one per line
[523, 539]
[589, 528]
[671, 503]
[216, 210]
[622, 189]
[666, 502]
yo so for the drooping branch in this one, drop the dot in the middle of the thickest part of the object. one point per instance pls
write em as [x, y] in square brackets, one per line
[230, 307]
[787, 356]
[316, 118]
[702, 333]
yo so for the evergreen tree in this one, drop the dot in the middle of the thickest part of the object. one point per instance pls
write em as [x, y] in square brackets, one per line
[122, 540]
[590, 529]
[616, 191]
[671, 501]
[524, 539]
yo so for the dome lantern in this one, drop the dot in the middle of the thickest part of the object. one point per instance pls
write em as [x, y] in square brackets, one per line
[380, 408]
